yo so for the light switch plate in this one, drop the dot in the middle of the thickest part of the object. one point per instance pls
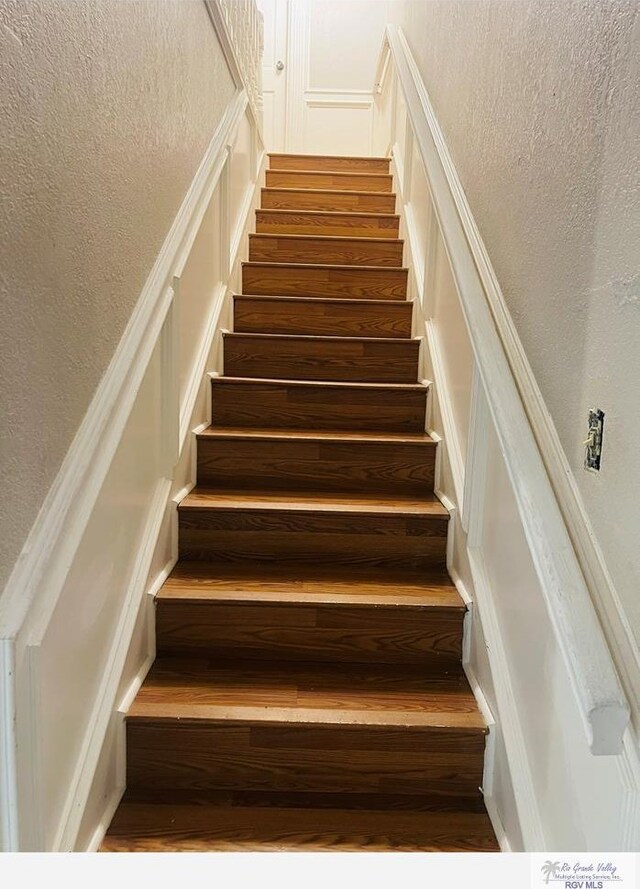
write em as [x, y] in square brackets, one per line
[593, 444]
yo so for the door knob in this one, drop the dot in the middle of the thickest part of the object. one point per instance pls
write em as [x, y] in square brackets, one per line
[279, 65]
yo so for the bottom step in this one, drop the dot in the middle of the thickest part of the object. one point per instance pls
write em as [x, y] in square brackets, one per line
[222, 825]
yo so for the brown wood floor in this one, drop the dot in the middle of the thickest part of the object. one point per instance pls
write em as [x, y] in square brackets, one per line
[308, 692]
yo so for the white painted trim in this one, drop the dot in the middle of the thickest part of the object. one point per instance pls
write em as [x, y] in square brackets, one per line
[356, 95]
[529, 815]
[382, 68]
[38, 577]
[601, 701]
[327, 101]
[200, 364]
[229, 49]
[80, 786]
[9, 838]
[62, 518]
[297, 67]
[445, 402]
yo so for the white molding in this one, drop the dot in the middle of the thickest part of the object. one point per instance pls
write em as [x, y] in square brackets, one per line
[327, 101]
[529, 815]
[200, 363]
[454, 452]
[601, 702]
[80, 786]
[382, 68]
[63, 515]
[9, 838]
[230, 51]
[297, 67]
[476, 463]
[38, 577]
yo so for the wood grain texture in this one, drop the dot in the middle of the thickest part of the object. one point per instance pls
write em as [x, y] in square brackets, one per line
[326, 463]
[323, 199]
[342, 728]
[315, 222]
[203, 827]
[310, 405]
[334, 163]
[302, 631]
[329, 180]
[301, 526]
[325, 250]
[316, 584]
[294, 279]
[322, 317]
[291, 357]
[309, 691]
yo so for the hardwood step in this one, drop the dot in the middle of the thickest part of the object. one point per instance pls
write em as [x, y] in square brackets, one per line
[327, 180]
[324, 199]
[313, 584]
[328, 162]
[381, 530]
[326, 250]
[316, 222]
[252, 613]
[198, 725]
[295, 404]
[292, 357]
[322, 317]
[329, 461]
[228, 824]
[287, 279]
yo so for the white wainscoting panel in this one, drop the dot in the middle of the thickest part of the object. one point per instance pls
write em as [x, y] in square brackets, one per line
[83, 643]
[550, 710]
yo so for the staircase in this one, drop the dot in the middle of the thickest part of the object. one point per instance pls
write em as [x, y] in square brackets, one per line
[308, 691]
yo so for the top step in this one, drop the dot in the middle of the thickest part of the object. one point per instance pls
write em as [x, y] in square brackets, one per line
[329, 163]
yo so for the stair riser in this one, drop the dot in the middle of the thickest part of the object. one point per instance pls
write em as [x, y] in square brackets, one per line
[269, 248]
[428, 638]
[293, 407]
[319, 162]
[356, 283]
[330, 181]
[342, 201]
[330, 318]
[326, 466]
[287, 535]
[334, 360]
[332, 224]
[186, 756]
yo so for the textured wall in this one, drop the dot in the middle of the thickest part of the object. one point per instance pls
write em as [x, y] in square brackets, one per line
[106, 110]
[540, 105]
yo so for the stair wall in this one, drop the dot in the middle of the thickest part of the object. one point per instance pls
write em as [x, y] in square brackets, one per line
[79, 638]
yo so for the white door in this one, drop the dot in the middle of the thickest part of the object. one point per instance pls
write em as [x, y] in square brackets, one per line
[274, 72]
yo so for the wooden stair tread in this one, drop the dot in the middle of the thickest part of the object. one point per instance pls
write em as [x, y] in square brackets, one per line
[327, 191]
[342, 157]
[348, 174]
[340, 213]
[310, 501]
[415, 438]
[317, 300]
[324, 694]
[319, 338]
[324, 384]
[312, 584]
[201, 825]
[329, 238]
[323, 268]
